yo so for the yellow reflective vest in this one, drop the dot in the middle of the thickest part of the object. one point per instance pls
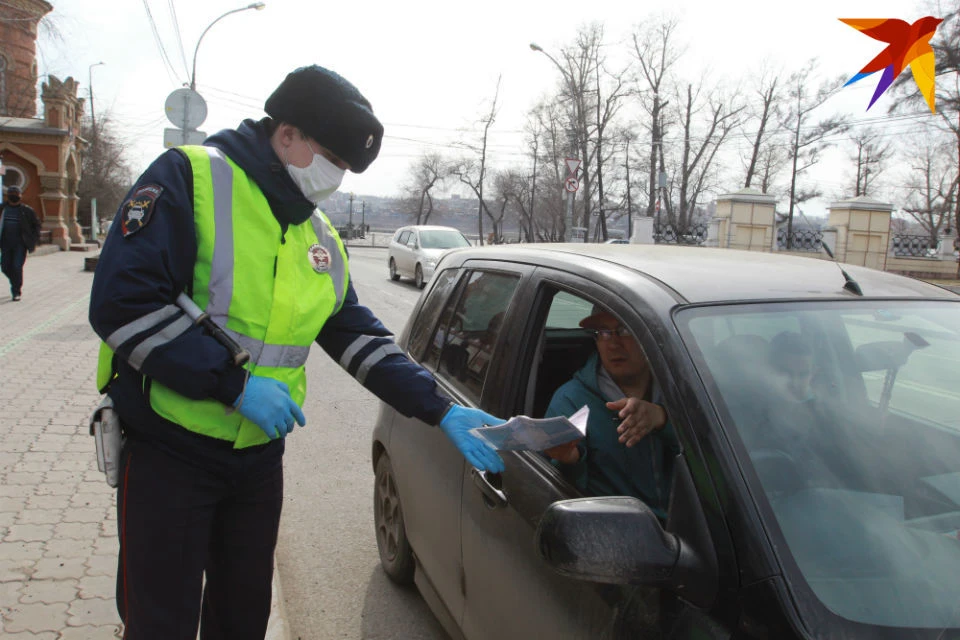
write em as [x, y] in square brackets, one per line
[271, 291]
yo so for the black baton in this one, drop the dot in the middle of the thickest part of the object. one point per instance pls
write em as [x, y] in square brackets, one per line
[200, 317]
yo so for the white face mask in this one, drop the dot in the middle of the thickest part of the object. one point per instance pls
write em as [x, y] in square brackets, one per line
[319, 180]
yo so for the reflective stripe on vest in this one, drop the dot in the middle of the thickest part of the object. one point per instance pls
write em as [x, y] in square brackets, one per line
[220, 287]
[260, 284]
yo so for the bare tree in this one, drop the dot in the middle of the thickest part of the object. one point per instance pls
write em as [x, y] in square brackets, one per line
[772, 159]
[509, 186]
[549, 223]
[656, 52]
[472, 172]
[931, 188]
[870, 153]
[606, 108]
[946, 48]
[105, 172]
[809, 140]
[764, 109]
[426, 172]
[700, 145]
[593, 96]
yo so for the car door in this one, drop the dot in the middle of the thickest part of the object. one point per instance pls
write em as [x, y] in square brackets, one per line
[410, 252]
[510, 590]
[428, 468]
[452, 345]
[401, 253]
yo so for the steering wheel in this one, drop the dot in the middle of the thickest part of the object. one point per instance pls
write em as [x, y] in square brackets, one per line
[779, 473]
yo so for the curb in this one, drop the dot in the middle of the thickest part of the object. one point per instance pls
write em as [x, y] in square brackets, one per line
[277, 627]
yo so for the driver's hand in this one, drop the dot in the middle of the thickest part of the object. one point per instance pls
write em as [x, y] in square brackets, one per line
[638, 418]
[566, 453]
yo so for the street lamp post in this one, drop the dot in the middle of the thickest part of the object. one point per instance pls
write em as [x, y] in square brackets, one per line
[576, 114]
[93, 117]
[193, 74]
[94, 222]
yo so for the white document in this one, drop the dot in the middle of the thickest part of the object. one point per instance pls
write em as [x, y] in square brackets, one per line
[521, 433]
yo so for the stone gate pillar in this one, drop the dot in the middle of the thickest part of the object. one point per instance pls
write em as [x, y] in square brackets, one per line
[863, 231]
[747, 220]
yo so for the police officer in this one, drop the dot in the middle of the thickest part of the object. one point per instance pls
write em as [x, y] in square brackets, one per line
[233, 224]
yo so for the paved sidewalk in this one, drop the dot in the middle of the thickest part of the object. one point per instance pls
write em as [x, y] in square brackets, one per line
[58, 533]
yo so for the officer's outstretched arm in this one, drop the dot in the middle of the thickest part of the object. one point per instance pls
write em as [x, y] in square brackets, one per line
[147, 260]
[359, 343]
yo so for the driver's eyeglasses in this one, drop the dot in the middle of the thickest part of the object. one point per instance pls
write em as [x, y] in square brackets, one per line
[606, 334]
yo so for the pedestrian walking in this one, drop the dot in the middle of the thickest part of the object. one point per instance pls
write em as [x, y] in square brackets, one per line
[234, 226]
[19, 235]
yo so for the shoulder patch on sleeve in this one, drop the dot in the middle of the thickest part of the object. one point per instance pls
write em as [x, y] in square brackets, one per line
[138, 209]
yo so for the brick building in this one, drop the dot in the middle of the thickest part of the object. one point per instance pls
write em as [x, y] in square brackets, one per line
[39, 154]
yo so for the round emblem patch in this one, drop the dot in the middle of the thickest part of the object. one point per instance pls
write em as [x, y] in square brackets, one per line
[369, 141]
[319, 258]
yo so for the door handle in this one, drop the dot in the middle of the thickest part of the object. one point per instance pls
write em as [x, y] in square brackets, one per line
[492, 496]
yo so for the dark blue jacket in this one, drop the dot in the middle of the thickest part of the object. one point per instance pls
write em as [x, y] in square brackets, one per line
[145, 271]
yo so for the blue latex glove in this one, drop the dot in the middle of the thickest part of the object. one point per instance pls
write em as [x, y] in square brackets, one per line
[267, 403]
[457, 424]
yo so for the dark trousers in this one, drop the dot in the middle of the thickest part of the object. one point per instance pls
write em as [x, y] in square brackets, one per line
[178, 520]
[11, 264]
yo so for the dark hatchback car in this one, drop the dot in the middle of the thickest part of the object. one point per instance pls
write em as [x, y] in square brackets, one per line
[831, 515]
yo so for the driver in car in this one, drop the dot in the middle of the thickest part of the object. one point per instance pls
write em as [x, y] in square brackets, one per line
[630, 444]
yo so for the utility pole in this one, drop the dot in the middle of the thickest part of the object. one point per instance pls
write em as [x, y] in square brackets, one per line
[533, 187]
[94, 223]
[363, 218]
[626, 165]
[93, 115]
[350, 226]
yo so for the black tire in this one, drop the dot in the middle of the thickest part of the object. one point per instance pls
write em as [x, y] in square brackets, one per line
[394, 274]
[396, 556]
[418, 277]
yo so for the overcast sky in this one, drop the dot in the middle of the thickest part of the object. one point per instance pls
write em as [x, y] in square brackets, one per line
[428, 67]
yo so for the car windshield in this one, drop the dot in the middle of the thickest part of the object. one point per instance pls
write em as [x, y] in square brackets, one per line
[849, 419]
[442, 239]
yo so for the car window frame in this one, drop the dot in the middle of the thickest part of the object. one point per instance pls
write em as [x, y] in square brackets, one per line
[455, 298]
[534, 310]
[410, 335]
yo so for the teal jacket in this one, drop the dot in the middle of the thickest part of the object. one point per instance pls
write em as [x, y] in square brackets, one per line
[607, 467]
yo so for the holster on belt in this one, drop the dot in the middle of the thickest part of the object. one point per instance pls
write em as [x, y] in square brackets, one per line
[106, 432]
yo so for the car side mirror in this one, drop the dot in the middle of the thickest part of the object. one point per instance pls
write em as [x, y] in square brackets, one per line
[616, 540]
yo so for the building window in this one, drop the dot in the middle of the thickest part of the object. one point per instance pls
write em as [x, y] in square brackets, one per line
[14, 177]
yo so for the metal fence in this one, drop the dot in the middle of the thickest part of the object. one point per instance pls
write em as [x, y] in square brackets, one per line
[914, 246]
[692, 234]
[803, 239]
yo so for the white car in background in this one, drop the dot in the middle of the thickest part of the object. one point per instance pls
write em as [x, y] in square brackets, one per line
[415, 250]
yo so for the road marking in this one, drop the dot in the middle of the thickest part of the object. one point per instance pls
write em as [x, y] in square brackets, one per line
[40, 327]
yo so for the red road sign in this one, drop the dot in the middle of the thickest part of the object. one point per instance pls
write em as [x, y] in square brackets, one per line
[571, 184]
[572, 165]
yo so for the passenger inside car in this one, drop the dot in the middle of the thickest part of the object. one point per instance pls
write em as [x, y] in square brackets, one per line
[630, 445]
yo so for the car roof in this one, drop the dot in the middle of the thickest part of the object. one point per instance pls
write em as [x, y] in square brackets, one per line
[429, 227]
[699, 274]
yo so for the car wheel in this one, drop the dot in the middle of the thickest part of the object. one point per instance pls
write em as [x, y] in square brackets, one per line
[396, 556]
[394, 274]
[418, 277]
